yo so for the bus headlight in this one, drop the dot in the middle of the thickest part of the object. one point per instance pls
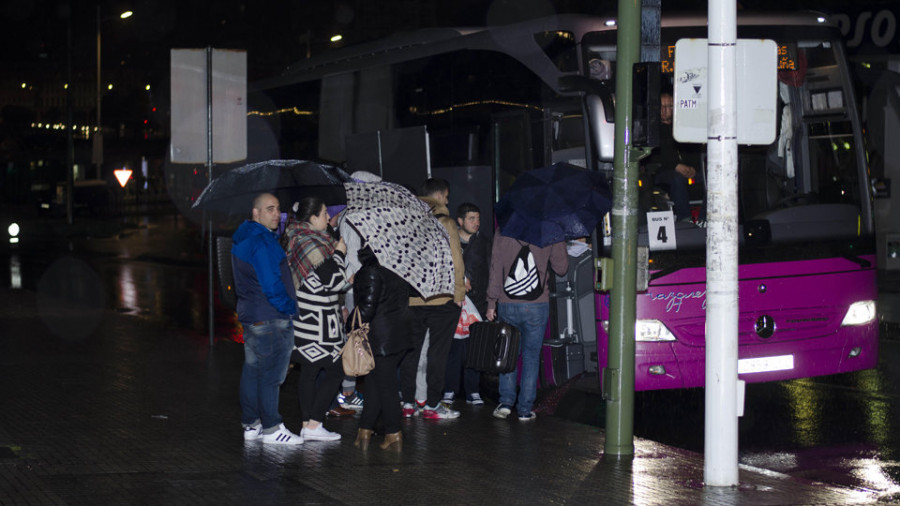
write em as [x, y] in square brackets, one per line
[651, 331]
[859, 313]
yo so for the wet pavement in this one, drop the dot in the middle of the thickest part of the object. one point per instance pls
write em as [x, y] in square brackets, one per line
[106, 403]
[143, 414]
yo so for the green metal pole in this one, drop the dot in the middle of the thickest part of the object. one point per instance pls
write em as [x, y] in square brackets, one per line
[620, 368]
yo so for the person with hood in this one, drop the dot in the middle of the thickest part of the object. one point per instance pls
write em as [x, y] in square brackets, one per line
[382, 300]
[317, 265]
[265, 308]
[437, 316]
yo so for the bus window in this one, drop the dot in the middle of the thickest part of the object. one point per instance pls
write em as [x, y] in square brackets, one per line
[831, 153]
[566, 136]
[455, 94]
[559, 46]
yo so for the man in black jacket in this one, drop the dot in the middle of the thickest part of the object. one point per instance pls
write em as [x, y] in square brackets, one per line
[476, 249]
[671, 168]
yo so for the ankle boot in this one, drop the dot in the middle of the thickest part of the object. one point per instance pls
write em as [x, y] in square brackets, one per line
[363, 438]
[393, 442]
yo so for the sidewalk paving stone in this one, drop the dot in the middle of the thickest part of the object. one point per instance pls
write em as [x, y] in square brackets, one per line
[139, 414]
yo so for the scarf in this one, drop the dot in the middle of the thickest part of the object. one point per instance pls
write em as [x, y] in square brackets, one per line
[306, 248]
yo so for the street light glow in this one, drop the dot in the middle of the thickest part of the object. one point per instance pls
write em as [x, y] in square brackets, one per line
[335, 38]
[98, 136]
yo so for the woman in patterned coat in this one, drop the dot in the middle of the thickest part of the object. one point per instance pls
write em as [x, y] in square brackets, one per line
[317, 265]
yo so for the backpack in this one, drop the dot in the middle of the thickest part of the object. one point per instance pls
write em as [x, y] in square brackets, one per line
[523, 281]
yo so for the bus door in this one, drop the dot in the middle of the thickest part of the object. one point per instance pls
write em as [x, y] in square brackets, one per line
[883, 113]
[512, 150]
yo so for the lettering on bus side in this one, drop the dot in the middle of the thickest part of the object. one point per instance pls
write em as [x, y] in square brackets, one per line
[868, 28]
[787, 60]
[674, 300]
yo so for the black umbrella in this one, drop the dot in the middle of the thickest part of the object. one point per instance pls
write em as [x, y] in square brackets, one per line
[289, 180]
[552, 204]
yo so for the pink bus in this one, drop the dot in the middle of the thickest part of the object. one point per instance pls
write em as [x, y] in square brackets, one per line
[807, 275]
[480, 105]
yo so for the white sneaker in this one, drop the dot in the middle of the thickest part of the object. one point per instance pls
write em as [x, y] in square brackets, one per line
[439, 412]
[252, 432]
[282, 436]
[527, 417]
[319, 434]
[353, 401]
[475, 400]
[448, 398]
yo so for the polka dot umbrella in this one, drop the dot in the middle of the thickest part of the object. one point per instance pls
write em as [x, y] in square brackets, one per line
[403, 233]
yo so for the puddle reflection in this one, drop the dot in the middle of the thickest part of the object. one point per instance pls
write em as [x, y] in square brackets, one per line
[15, 272]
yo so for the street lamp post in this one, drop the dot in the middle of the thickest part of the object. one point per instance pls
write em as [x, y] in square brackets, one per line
[98, 134]
[70, 140]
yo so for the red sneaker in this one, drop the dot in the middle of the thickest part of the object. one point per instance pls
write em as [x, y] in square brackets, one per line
[408, 410]
[439, 412]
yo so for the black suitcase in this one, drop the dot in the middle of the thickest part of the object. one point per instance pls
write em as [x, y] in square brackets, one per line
[568, 360]
[493, 347]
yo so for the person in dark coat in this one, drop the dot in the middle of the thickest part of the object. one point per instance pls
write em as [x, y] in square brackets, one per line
[382, 299]
[476, 247]
[672, 165]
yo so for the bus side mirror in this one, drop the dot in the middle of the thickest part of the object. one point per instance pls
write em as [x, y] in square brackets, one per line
[645, 87]
[600, 107]
[603, 123]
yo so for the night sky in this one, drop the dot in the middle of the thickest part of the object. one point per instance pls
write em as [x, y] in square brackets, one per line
[33, 32]
[274, 33]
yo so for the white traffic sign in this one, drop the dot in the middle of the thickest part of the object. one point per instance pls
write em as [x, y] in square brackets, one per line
[757, 89]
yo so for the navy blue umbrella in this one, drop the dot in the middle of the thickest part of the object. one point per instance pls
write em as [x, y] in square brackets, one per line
[552, 204]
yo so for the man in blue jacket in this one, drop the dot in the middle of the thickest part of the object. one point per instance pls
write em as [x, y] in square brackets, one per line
[265, 306]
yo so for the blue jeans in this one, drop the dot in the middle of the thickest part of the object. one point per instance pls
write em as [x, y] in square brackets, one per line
[455, 363]
[267, 353]
[531, 320]
[677, 186]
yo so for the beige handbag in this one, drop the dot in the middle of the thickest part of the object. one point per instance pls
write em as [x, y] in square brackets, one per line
[357, 354]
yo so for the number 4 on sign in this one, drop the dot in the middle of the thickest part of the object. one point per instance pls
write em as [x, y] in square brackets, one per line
[661, 230]
[661, 235]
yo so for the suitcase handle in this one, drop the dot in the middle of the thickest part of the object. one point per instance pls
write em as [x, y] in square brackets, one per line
[500, 351]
